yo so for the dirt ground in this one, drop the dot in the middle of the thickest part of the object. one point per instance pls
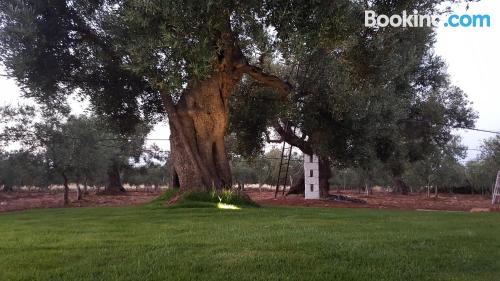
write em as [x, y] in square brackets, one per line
[22, 200]
[383, 200]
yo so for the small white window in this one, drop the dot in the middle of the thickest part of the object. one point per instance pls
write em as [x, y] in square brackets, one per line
[311, 173]
[310, 158]
[312, 187]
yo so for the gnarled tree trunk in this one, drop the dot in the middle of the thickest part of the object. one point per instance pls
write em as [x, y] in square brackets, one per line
[199, 120]
[114, 181]
[198, 125]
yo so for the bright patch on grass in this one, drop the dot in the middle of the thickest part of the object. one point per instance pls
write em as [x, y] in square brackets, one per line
[225, 199]
[227, 206]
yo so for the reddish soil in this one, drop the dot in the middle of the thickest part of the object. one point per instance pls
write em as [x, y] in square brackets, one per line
[22, 200]
[383, 200]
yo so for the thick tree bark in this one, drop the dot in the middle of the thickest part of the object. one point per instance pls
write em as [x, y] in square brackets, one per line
[175, 180]
[198, 125]
[114, 181]
[199, 120]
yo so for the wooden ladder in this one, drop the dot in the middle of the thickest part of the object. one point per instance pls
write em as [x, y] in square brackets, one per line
[496, 190]
[286, 155]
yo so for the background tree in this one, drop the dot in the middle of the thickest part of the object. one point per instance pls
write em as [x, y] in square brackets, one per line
[490, 153]
[40, 137]
[478, 177]
[371, 95]
[440, 169]
[481, 173]
[153, 169]
[78, 149]
[22, 169]
[123, 149]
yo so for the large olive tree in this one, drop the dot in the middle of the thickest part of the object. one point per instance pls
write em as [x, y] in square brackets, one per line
[136, 59]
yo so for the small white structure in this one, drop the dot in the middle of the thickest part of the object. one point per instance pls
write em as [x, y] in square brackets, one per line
[311, 176]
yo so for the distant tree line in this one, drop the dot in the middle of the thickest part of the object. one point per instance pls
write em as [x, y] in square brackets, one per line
[86, 151]
[58, 149]
[444, 172]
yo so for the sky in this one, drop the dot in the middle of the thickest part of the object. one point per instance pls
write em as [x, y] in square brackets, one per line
[472, 56]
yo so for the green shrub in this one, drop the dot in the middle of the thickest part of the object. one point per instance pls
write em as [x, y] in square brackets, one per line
[212, 198]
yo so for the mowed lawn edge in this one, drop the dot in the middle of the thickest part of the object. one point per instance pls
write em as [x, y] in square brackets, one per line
[152, 242]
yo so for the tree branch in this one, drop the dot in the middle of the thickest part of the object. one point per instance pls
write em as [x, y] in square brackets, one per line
[288, 136]
[283, 88]
[90, 35]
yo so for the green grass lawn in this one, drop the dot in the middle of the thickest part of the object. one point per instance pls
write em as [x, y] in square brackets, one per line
[157, 243]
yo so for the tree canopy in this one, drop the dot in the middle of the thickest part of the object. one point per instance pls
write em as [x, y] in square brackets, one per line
[379, 94]
[137, 60]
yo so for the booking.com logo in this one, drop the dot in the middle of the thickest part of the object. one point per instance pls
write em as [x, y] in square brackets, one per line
[417, 20]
